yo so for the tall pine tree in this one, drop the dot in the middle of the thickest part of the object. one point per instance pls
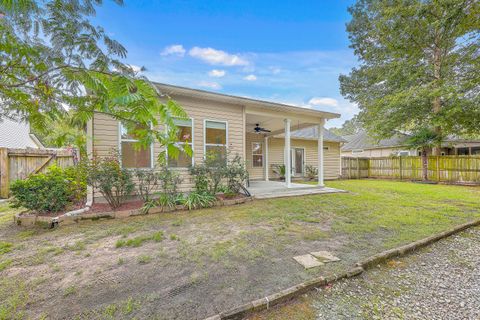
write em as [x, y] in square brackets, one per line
[419, 65]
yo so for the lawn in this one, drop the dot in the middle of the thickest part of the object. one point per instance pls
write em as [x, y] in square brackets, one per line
[190, 265]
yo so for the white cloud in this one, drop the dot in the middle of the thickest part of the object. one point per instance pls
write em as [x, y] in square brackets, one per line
[174, 50]
[210, 85]
[216, 73]
[250, 77]
[330, 102]
[217, 57]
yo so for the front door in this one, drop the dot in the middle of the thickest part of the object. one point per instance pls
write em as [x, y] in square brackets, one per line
[298, 158]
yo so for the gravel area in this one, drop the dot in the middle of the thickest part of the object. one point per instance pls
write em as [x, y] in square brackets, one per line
[438, 282]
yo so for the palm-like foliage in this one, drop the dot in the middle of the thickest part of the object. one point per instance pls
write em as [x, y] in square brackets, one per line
[52, 57]
[424, 139]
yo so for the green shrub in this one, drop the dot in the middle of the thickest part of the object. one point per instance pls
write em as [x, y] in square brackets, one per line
[52, 191]
[169, 180]
[114, 182]
[197, 200]
[311, 172]
[279, 170]
[236, 174]
[200, 177]
[147, 183]
[208, 177]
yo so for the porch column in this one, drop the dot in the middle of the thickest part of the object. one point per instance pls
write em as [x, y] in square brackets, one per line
[287, 159]
[266, 158]
[320, 154]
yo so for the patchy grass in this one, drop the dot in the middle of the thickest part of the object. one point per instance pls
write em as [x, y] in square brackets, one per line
[5, 247]
[13, 298]
[4, 264]
[144, 259]
[70, 290]
[204, 254]
[138, 241]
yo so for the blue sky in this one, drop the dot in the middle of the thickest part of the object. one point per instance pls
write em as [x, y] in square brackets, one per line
[284, 51]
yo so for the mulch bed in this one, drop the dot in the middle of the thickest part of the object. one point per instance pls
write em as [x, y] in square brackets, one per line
[222, 196]
[105, 207]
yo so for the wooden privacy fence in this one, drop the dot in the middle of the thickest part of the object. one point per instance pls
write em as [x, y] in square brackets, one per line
[452, 169]
[21, 163]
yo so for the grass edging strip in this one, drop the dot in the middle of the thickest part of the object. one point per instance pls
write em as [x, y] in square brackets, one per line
[287, 294]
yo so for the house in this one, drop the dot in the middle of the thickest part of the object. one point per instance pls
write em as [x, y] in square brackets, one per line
[362, 145]
[16, 134]
[261, 132]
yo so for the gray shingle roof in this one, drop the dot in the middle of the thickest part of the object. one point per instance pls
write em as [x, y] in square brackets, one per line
[15, 134]
[311, 133]
[362, 141]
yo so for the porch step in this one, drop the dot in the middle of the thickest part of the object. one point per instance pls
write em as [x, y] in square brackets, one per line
[296, 192]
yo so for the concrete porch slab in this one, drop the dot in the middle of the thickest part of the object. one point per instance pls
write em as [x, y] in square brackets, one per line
[278, 189]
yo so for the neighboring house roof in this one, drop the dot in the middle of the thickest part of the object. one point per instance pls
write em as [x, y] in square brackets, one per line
[349, 137]
[15, 134]
[456, 139]
[171, 90]
[311, 134]
[362, 141]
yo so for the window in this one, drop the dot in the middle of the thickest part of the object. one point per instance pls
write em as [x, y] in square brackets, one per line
[257, 154]
[216, 138]
[357, 151]
[403, 153]
[184, 136]
[133, 155]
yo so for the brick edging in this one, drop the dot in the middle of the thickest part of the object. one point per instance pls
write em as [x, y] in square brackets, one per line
[282, 296]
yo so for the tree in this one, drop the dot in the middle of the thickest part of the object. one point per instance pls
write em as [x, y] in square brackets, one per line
[64, 131]
[53, 59]
[419, 65]
[352, 126]
[424, 139]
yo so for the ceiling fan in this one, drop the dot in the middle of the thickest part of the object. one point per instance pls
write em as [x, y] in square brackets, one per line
[259, 129]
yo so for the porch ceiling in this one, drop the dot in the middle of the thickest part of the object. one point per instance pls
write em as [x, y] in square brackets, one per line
[274, 124]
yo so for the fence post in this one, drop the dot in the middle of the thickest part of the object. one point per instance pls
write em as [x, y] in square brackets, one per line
[438, 168]
[4, 173]
[358, 168]
[400, 167]
[350, 168]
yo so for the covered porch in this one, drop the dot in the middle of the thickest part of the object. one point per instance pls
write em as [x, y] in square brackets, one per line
[269, 141]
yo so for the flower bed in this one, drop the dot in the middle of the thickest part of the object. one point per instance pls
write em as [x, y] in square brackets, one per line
[127, 210]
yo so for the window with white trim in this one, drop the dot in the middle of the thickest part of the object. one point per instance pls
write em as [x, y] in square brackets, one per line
[257, 154]
[356, 151]
[215, 139]
[132, 154]
[185, 137]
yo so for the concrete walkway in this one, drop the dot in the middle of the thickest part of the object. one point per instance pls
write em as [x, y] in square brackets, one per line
[277, 189]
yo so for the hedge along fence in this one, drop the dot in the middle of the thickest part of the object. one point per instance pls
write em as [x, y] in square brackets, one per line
[451, 169]
[21, 163]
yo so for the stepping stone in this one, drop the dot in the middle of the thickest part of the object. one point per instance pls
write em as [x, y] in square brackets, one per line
[308, 261]
[324, 256]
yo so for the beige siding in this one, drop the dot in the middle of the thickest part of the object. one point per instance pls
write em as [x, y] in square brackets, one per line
[276, 150]
[106, 131]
